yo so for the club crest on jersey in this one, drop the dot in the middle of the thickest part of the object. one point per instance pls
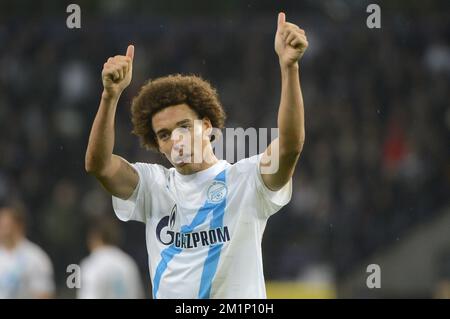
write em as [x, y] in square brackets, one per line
[217, 192]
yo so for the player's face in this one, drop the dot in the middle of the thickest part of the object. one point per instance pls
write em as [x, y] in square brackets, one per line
[8, 226]
[181, 136]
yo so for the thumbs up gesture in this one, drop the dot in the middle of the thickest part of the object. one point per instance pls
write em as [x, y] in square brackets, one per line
[117, 72]
[290, 42]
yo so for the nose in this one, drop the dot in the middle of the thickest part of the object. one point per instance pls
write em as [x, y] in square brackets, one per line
[180, 137]
[177, 147]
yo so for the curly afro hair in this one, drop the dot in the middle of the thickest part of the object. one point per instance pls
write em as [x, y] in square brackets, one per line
[163, 92]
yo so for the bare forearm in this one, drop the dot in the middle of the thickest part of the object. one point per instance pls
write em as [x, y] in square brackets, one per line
[115, 173]
[101, 139]
[291, 122]
[290, 44]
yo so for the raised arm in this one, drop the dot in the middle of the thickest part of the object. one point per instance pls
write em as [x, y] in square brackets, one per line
[290, 44]
[116, 175]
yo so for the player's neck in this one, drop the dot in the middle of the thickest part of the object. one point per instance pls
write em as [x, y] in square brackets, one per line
[207, 164]
[209, 160]
[96, 244]
[12, 242]
[198, 167]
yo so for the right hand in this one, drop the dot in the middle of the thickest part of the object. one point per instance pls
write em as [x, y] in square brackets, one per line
[117, 72]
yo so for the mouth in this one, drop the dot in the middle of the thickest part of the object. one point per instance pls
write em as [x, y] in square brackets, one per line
[182, 158]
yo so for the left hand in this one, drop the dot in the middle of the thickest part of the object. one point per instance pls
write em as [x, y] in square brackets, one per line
[290, 42]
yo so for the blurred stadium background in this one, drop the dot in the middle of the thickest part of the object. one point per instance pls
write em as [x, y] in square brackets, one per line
[373, 183]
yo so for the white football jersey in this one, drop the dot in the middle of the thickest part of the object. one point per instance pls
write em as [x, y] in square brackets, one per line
[109, 273]
[25, 272]
[204, 230]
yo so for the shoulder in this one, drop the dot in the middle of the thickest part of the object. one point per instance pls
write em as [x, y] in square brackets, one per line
[36, 254]
[86, 263]
[150, 168]
[108, 260]
[246, 165]
[151, 173]
[95, 263]
[126, 259]
[91, 270]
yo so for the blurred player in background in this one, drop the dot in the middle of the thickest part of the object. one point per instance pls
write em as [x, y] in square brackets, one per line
[108, 272]
[25, 269]
[204, 219]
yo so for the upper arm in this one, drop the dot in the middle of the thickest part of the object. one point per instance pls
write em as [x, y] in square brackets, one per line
[119, 178]
[277, 166]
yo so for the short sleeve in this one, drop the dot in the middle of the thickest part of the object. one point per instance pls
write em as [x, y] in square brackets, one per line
[279, 198]
[270, 201]
[136, 207]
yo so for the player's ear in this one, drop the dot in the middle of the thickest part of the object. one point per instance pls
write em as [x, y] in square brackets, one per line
[206, 123]
[207, 126]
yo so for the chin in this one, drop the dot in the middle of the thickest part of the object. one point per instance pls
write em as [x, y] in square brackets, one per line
[183, 167]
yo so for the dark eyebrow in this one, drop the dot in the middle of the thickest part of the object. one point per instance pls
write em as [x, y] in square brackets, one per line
[185, 121]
